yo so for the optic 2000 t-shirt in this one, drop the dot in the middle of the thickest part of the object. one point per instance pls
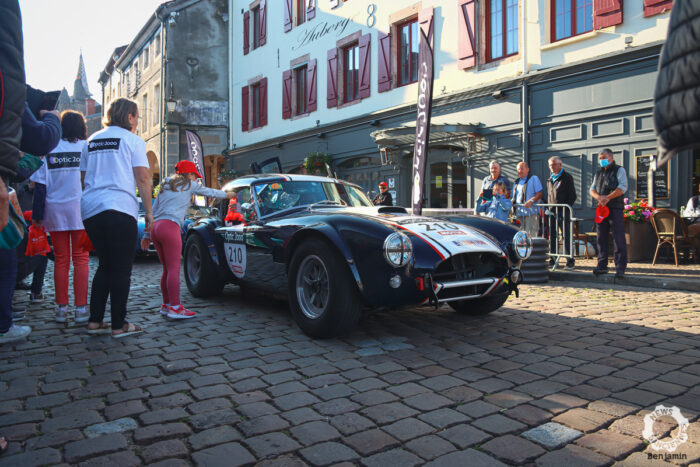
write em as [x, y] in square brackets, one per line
[108, 160]
[61, 175]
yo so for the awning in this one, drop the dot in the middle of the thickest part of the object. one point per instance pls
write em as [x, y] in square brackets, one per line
[466, 137]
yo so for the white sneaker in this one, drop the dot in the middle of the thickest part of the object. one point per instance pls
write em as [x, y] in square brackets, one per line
[81, 315]
[15, 333]
[61, 314]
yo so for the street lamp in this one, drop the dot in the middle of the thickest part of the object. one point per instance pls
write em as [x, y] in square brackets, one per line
[171, 102]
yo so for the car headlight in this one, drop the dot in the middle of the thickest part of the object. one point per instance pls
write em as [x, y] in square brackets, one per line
[522, 244]
[398, 249]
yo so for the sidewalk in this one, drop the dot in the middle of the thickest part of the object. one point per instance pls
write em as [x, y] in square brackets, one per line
[663, 275]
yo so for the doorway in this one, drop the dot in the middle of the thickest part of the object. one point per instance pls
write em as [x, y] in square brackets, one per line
[447, 177]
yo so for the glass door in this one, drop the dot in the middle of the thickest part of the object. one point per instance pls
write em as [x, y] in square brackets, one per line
[448, 184]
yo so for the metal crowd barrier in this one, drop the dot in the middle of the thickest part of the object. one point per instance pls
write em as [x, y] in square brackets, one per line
[558, 220]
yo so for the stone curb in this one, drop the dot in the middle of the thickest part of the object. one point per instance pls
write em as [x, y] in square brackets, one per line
[647, 282]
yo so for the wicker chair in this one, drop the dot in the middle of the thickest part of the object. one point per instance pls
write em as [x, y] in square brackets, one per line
[672, 231]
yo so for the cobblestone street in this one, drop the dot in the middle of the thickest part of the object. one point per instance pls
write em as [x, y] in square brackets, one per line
[561, 376]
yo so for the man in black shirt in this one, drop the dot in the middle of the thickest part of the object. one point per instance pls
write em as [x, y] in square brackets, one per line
[384, 197]
[560, 190]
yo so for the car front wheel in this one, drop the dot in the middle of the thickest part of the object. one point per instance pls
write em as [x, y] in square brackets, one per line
[323, 297]
[200, 272]
[479, 306]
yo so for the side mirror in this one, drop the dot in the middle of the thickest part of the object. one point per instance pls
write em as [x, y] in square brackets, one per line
[247, 209]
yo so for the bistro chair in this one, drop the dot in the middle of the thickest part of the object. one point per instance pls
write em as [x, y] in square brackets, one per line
[672, 231]
[585, 238]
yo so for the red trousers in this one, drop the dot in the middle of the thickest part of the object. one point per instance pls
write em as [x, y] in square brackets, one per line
[166, 237]
[66, 245]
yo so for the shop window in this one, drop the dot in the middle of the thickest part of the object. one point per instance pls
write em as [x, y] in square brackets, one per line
[571, 18]
[501, 28]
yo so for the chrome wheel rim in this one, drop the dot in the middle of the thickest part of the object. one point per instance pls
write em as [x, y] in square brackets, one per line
[194, 264]
[313, 289]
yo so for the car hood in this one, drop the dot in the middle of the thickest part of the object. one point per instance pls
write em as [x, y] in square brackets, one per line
[447, 238]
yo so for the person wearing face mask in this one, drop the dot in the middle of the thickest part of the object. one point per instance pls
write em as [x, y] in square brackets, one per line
[609, 185]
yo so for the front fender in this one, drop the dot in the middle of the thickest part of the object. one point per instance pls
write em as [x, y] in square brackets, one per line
[205, 229]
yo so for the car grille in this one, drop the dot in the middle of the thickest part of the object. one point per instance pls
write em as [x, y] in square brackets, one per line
[480, 270]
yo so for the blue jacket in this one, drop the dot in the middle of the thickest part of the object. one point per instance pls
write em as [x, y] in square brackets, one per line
[499, 207]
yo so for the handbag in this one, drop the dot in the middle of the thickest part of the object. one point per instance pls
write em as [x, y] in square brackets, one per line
[13, 233]
[37, 241]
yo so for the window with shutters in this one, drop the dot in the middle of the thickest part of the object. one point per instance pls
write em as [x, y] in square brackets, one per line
[408, 52]
[256, 27]
[501, 28]
[299, 88]
[351, 73]
[144, 113]
[300, 91]
[146, 56]
[157, 46]
[654, 7]
[254, 21]
[255, 102]
[156, 104]
[297, 12]
[571, 18]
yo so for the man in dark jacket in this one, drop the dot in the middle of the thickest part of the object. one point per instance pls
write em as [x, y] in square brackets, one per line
[676, 107]
[609, 184]
[560, 190]
[384, 197]
[13, 94]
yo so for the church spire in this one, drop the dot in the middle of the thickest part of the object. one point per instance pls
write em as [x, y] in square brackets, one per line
[82, 76]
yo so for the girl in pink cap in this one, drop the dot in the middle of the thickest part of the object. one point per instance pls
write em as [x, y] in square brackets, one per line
[174, 197]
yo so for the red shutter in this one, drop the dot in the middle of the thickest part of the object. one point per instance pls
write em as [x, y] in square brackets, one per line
[310, 9]
[311, 100]
[244, 106]
[466, 37]
[384, 76]
[654, 7]
[287, 94]
[334, 3]
[246, 32]
[263, 32]
[606, 13]
[365, 80]
[287, 15]
[263, 102]
[332, 79]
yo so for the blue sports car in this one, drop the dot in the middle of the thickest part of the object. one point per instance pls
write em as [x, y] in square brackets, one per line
[320, 242]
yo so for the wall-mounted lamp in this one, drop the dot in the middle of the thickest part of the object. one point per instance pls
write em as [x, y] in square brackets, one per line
[498, 95]
[321, 135]
[629, 40]
[171, 102]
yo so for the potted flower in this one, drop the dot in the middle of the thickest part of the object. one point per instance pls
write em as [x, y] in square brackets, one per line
[641, 240]
[315, 162]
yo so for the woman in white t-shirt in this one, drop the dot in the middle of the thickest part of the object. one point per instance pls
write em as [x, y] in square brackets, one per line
[113, 164]
[61, 214]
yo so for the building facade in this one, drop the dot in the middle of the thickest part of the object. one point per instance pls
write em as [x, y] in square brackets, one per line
[176, 70]
[514, 81]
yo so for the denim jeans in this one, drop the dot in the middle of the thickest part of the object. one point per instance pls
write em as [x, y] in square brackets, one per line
[8, 275]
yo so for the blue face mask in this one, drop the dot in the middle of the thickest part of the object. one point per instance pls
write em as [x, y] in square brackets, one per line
[604, 163]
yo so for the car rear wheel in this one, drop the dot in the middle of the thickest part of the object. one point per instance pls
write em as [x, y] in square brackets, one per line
[479, 306]
[323, 297]
[200, 271]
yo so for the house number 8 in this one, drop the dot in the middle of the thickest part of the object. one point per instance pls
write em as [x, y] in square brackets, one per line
[371, 19]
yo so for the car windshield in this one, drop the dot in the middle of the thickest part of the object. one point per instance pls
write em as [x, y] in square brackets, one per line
[198, 211]
[279, 196]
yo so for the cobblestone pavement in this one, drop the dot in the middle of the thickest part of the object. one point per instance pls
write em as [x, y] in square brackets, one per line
[562, 376]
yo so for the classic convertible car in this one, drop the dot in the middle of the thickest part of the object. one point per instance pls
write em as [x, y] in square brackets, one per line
[320, 242]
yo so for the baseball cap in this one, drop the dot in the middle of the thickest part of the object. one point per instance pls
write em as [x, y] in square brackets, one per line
[187, 167]
[383, 184]
[601, 213]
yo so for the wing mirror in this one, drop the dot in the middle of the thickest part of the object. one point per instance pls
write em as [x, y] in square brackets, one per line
[247, 209]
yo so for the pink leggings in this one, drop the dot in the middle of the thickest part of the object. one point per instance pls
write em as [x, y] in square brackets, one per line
[62, 242]
[168, 242]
